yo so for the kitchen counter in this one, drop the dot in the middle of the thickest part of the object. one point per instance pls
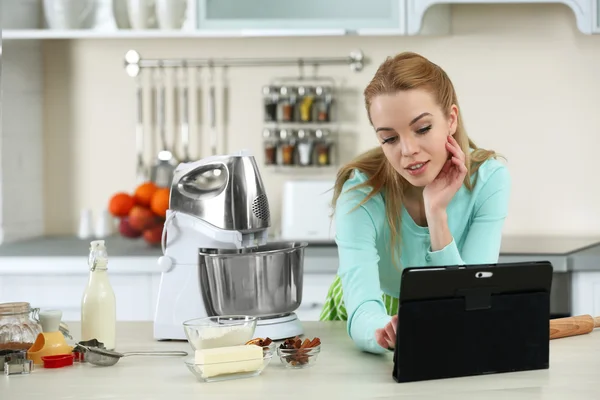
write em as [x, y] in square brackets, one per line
[546, 245]
[586, 260]
[67, 254]
[341, 371]
[118, 246]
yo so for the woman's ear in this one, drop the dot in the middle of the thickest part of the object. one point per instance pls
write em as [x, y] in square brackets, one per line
[452, 120]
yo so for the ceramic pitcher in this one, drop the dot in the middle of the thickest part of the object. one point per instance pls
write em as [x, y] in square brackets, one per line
[70, 14]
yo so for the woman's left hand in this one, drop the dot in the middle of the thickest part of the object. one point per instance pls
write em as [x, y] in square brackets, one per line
[438, 194]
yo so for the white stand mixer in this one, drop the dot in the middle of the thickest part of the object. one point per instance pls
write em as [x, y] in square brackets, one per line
[215, 252]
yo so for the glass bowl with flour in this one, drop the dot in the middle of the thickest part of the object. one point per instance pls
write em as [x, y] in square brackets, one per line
[219, 331]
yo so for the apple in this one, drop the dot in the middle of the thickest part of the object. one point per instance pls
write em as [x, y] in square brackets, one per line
[142, 218]
[153, 235]
[127, 230]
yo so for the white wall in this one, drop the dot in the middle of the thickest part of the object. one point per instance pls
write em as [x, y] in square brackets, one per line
[527, 80]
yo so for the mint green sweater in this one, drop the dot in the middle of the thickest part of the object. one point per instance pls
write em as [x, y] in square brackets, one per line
[475, 219]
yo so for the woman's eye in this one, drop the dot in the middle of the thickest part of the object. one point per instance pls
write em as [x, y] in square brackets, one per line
[391, 139]
[424, 130]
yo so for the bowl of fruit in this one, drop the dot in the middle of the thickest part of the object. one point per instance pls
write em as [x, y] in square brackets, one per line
[141, 213]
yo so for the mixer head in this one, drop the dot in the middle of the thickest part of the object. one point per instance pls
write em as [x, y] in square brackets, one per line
[225, 191]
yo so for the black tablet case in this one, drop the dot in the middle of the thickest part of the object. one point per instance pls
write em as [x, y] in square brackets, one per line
[456, 321]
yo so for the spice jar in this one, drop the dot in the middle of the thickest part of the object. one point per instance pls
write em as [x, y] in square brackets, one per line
[323, 146]
[323, 106]
[270, 99]
[306, 100]
[17, 330]
[288, 100]
[270, 145]
[287, 146]
[304, 146]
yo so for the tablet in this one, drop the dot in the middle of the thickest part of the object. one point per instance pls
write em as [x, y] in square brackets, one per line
[467, 320]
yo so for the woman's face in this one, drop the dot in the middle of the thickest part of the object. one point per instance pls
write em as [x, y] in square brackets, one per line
[413, 131]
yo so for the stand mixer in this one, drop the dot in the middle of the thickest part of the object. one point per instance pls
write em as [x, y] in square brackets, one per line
[216, 260]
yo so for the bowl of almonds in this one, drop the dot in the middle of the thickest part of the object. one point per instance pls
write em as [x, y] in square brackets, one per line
[298, 353]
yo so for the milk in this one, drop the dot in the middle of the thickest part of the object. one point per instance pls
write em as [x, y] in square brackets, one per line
[98, 305]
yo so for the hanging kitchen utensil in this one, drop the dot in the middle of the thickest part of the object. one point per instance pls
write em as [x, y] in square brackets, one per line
[141, 172]
[199, 105]
[164, 166]
[212, 104]
[225, 113]
[183, 108]
[211, 177]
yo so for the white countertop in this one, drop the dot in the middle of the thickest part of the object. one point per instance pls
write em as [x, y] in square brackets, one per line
[68, 255]
[341, 372]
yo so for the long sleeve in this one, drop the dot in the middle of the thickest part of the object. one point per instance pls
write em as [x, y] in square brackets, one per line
[484, 237]
[359, 272]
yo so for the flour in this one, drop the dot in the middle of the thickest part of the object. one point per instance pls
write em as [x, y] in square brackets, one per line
[223, 336]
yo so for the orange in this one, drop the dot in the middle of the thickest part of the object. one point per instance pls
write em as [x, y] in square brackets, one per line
[144, 192]
[160, 202]
[120, 204]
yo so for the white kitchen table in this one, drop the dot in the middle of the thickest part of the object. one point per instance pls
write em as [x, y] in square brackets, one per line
[341, 372]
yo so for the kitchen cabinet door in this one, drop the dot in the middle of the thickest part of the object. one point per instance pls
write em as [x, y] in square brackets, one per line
[306, 15]
[136, 294]
[596, 16]
[585, 291]
[314, 293]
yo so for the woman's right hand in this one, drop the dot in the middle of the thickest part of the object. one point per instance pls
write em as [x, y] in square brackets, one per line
[386, 336]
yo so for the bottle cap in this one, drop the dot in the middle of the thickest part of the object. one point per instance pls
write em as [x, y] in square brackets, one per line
[97, 249]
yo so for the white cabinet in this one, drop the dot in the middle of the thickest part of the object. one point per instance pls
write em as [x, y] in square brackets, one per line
[307, 15]
[596, 16]
[314, 294]
[136, 292]
[584, 11]
[235, 18]
[585, 293]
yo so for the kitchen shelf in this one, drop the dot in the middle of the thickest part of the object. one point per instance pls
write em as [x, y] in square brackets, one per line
[28, 34]
[214, 19]
[309, 169]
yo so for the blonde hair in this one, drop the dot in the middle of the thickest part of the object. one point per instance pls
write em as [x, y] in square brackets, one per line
[405, 71]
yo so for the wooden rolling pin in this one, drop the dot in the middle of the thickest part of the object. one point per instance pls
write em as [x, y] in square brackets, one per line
[573, 326]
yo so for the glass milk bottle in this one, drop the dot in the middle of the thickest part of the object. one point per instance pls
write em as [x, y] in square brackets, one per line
[98, 305]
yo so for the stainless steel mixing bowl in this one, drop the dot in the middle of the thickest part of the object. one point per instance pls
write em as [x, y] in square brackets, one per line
[263, 281]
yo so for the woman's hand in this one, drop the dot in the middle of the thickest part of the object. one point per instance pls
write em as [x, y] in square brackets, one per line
[438, 194]
[386, 337]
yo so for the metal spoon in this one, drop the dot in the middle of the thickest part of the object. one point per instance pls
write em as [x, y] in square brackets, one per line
[105, 358]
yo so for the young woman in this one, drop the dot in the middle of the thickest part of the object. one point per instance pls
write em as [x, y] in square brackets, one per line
[425, 196]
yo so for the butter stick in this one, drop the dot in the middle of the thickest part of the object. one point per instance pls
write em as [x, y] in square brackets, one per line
[228, 360]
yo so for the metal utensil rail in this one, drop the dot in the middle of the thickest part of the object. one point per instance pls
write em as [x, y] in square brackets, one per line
[134, 62]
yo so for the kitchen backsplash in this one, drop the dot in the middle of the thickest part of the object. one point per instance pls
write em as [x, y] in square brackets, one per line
[21, 149]
[527, 81]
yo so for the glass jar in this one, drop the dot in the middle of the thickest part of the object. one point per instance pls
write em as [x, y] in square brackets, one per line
[304, 147]
[270, 145]
[323, 147]
[270, 99]
[324, 100]
[17, 330]
[287, 147]
[288, 103]
[306, 100]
